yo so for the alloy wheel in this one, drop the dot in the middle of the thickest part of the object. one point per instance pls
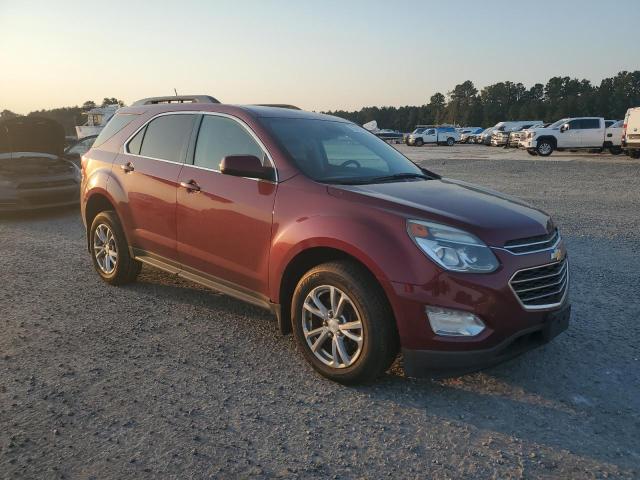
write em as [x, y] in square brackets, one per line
[332, 326]
[105, 249]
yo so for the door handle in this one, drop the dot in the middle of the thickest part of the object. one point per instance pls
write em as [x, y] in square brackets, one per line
[191, 186]
[127, 167]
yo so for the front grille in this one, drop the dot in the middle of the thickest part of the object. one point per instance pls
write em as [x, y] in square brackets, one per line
[542, 287]
[532, 244]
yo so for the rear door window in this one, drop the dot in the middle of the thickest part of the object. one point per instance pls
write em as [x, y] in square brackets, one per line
[167, 137]
[590, 123]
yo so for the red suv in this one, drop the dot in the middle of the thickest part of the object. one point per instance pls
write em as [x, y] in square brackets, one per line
[357, 250]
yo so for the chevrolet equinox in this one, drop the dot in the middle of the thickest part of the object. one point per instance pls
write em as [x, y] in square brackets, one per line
[358, 252]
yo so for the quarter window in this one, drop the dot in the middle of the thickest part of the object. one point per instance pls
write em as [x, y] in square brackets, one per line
[167, 137]
[221, 136]
[136, 142]
[117, 123]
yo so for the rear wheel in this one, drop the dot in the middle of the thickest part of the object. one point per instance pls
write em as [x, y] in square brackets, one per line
[615, 150]
[110, 251]
[544, 148]
[343, 324]
[634, 153]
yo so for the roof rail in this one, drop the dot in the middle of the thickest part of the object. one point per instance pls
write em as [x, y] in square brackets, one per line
[176, 99]
[277, 105]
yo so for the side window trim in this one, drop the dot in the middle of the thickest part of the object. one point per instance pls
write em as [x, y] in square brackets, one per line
[189, 160]
[144, 126]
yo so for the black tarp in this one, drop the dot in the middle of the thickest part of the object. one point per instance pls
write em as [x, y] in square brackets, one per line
[31, 134]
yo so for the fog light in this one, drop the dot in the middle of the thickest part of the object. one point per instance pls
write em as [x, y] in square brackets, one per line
[454, 323]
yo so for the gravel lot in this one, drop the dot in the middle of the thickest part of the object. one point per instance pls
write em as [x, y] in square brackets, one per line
[167, 379]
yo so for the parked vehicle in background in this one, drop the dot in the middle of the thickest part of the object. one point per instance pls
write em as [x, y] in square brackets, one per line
[506, 127]
[437, 135]
[631, 132]
[479, 137]
[97, 118]
[332, 229]
[75, 151]
[467, 133]
[582, 133]
[613, 137]
[33, 174]
[500, 138]
[517, 137]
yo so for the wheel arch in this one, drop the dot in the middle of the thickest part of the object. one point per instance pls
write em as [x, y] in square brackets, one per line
[96, 203]
[305, 260]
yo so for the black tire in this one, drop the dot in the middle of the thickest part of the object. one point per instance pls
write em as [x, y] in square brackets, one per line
[615, 150]
[545, 148]
[379, 335]
[532, 152]
[419, 142]
[126, 268]
[635, 154]
[451, 142]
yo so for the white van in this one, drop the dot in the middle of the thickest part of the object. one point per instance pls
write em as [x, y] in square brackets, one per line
[631, 132]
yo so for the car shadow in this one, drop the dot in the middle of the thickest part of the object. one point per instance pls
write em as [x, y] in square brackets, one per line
[528, 397]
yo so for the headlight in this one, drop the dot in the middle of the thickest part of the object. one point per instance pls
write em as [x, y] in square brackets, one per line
[451, 248]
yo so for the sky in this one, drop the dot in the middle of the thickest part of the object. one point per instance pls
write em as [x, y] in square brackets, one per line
[318, 55]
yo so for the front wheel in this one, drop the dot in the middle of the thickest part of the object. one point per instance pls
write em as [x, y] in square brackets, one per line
[532, 152]
[419, 142]
[450, 142]
[110, 251]
[634, 153]
[544, 148]
[615, 150]
[343, 324]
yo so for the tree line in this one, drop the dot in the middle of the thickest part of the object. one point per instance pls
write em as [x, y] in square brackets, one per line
[466, 106]
[69, 117]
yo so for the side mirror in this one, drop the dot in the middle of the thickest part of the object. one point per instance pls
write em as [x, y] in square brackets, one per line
[564, 127]
[245, 166]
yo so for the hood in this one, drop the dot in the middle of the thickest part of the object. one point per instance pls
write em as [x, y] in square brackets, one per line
[31, 134]
[493, 217]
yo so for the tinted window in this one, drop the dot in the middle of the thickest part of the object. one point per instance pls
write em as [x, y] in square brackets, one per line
[167, 137]
[575, 124]
[136, 142]
[117, 123]
[590, 123]
[221, 136]
[431, 132]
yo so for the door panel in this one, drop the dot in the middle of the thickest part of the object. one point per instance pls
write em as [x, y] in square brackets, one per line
[149, 214]
[224, 230]
[148, 174]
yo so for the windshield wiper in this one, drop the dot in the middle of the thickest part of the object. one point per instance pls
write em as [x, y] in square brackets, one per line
[382, 179]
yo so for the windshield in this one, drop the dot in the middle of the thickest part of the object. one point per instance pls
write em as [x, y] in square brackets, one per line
[337, 152]
[558, 123]
[418, 130]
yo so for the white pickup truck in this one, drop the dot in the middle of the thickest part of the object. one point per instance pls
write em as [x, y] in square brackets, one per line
[581, 133]
[438, 135]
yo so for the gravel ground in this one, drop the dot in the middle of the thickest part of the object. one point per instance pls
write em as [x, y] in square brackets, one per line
[164, 378]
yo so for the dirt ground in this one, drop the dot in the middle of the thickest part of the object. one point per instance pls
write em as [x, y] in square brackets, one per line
[165, 379]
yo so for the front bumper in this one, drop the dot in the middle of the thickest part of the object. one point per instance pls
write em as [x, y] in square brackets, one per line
[435, 363]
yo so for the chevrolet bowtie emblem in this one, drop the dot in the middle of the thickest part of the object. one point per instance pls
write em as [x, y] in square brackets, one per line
[557, 254]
